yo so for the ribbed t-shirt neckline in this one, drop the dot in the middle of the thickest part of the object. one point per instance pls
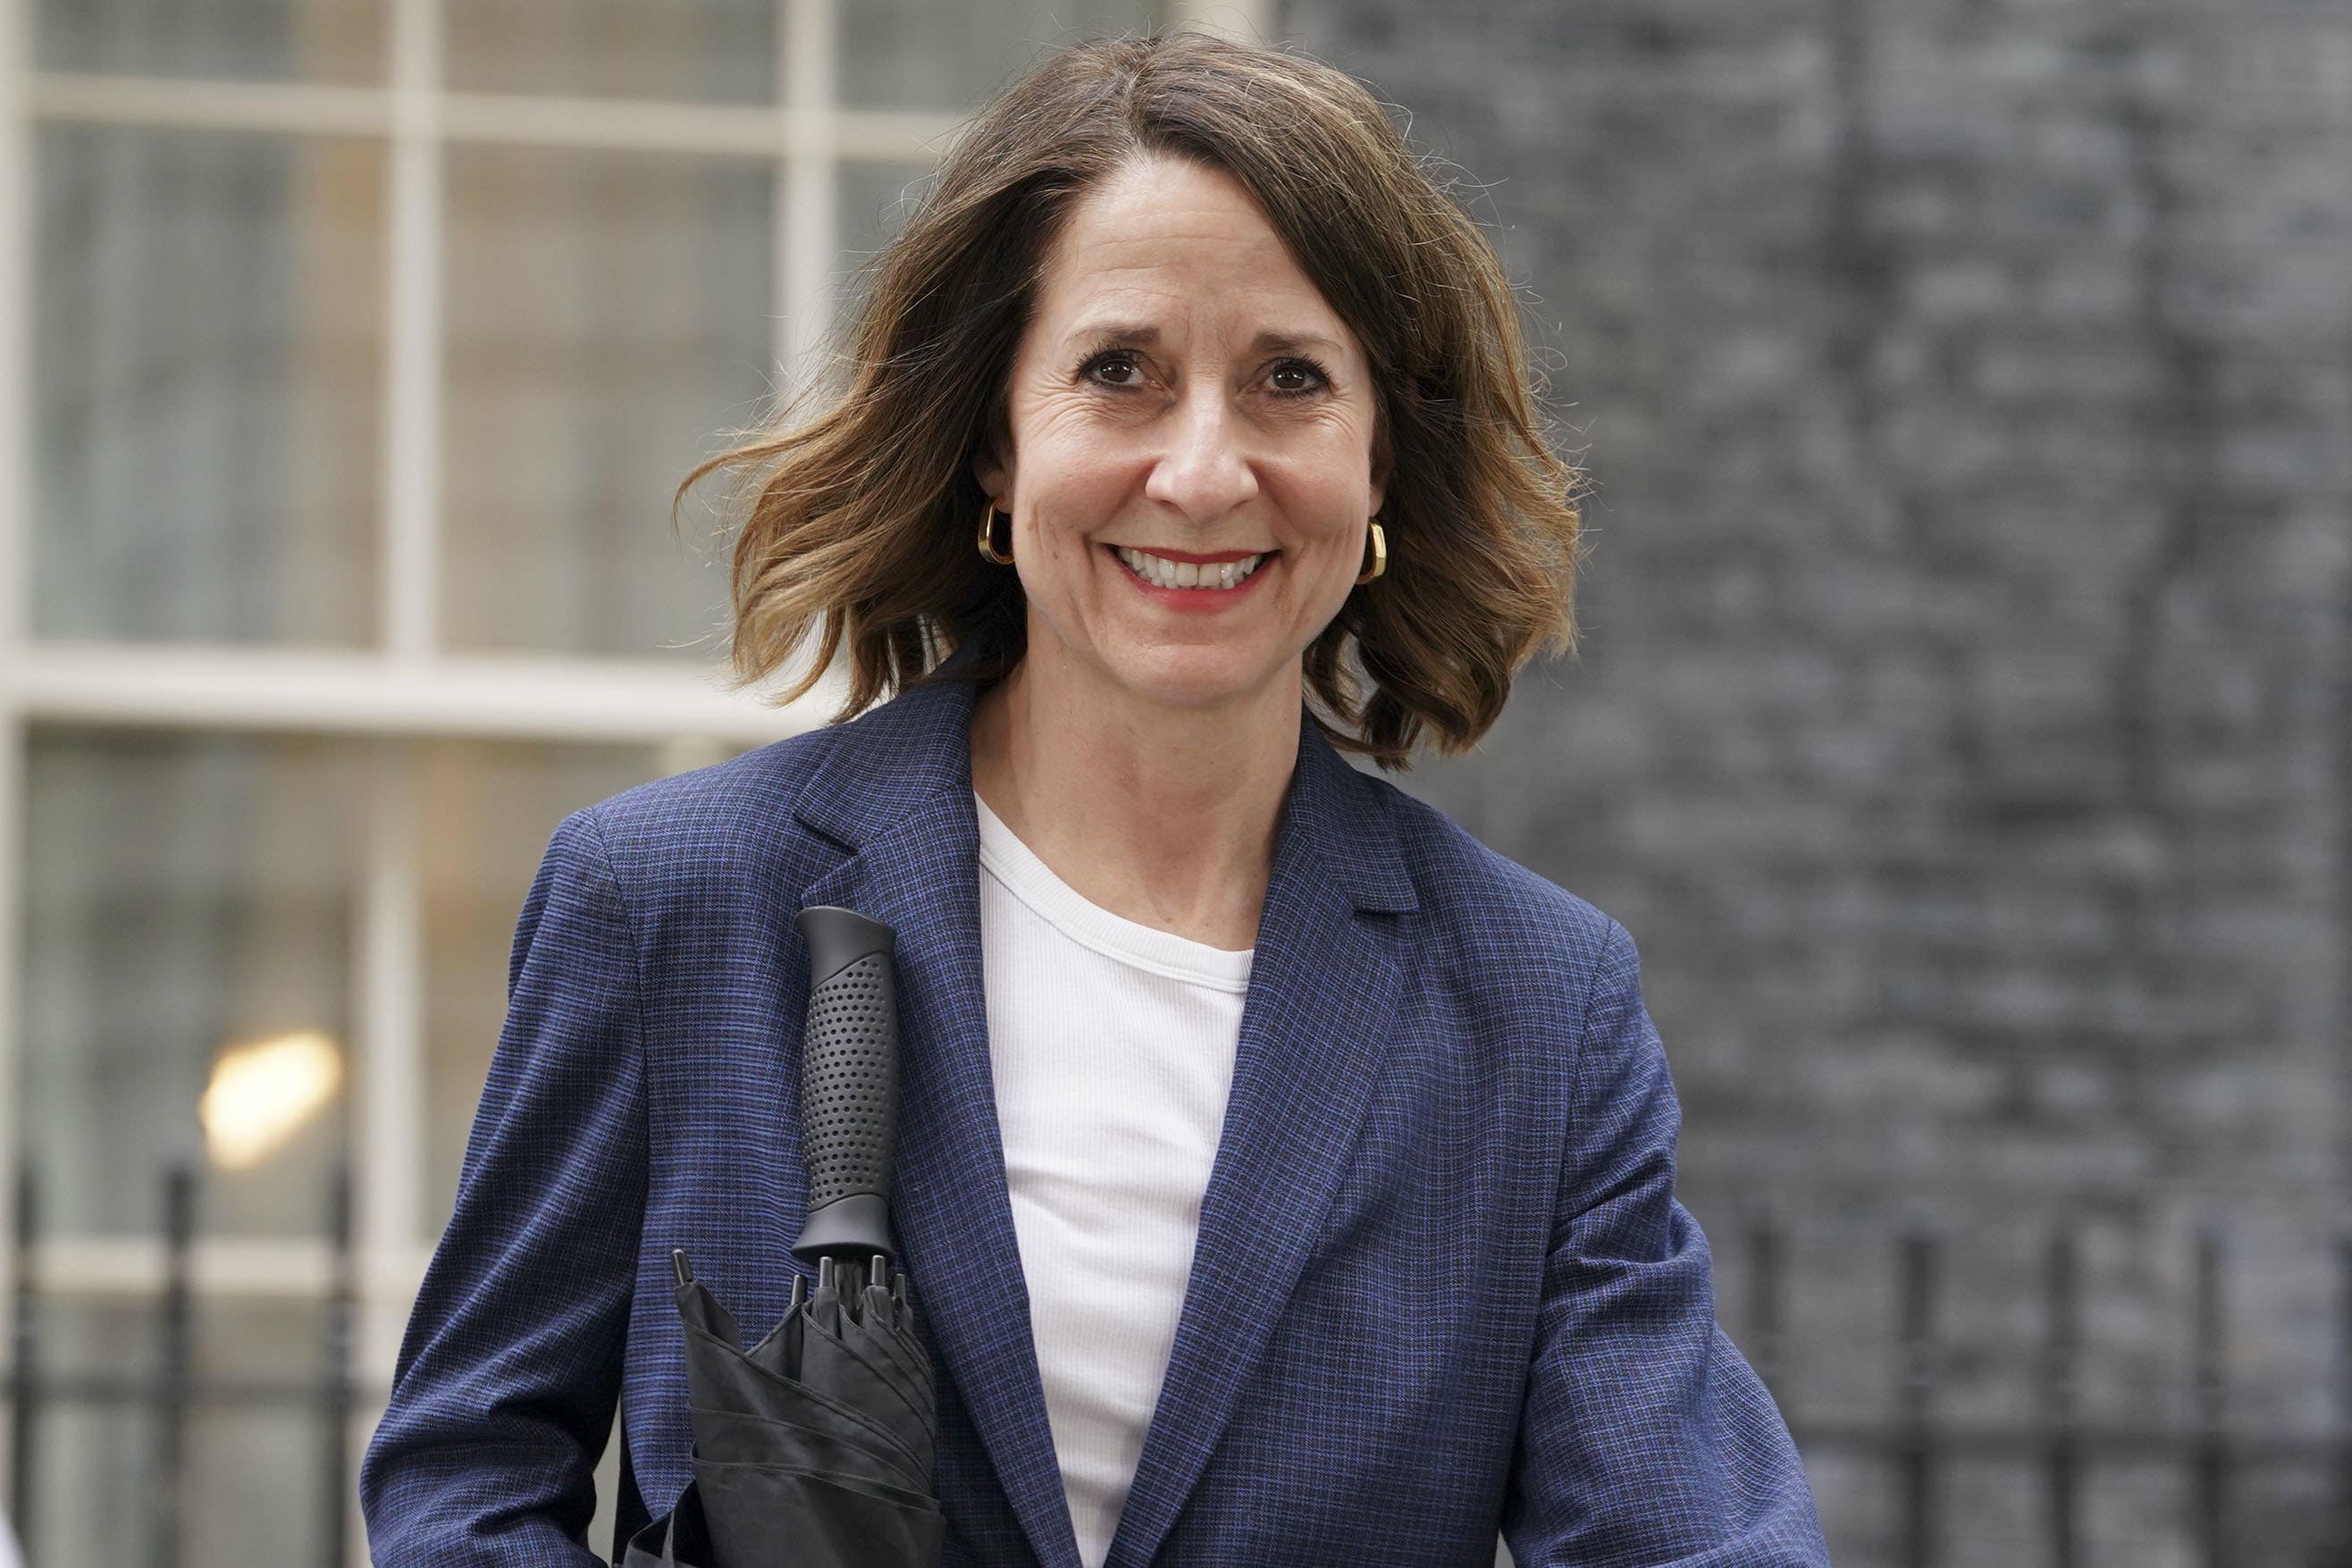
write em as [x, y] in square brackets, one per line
[1034, 883]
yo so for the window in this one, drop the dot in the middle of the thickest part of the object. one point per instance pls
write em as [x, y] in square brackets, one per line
[351, 350]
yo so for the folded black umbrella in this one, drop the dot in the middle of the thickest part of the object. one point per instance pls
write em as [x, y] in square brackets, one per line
[813, 1448]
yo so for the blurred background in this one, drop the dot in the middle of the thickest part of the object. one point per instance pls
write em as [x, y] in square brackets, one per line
[1962, 727]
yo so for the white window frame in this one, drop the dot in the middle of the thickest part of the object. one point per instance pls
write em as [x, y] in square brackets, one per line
[407, 689]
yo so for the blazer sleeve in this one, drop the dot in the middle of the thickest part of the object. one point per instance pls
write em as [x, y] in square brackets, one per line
[1646, 1440]
[506, 1381]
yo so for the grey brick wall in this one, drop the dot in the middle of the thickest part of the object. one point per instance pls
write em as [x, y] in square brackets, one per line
[1963, 726]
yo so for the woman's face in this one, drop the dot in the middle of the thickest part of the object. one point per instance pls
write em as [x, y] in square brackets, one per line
[1182, 390]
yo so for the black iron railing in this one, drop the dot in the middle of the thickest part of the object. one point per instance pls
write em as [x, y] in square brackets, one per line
[1916, 1436]
[174, 1388]
[1918, 1439]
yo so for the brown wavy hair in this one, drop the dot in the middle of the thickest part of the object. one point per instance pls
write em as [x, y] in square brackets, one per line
[862, 516]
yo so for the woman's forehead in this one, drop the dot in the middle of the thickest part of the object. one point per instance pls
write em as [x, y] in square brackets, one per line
[1167, 248]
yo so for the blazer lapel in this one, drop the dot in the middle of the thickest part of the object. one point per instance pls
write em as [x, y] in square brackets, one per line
[1314, 1029]
[897, 790]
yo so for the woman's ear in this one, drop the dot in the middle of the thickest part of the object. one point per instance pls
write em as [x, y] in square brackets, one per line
[991, 473]
[1381, 459]
[989, 465]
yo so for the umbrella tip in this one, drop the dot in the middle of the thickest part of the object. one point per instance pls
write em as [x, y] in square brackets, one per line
[679, 1266]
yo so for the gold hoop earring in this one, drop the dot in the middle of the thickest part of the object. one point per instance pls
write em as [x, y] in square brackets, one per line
[1377, 552]
[988, 536]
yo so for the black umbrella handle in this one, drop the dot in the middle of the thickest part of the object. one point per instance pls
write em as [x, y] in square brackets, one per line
[849, 1085]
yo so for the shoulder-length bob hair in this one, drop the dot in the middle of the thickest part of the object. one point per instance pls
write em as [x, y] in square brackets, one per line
[862, 517]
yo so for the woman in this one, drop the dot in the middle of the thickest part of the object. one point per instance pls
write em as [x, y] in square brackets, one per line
[1286, 1178]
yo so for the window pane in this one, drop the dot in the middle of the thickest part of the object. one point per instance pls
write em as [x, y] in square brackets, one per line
[205, 385]
[262, 40]
[188, 947]
[489, 811]
[700, 49]
[872, 203]
[255, 1481]
[608, 315]
[251, 1485]
[89, 1466]
[919, 54]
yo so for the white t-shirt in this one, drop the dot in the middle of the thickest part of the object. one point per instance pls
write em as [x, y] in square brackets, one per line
[1112, 1049]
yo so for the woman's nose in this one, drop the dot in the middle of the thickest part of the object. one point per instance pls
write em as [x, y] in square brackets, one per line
[1204, 470]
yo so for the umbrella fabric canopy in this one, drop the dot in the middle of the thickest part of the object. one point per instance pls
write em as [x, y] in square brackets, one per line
[813, 1447]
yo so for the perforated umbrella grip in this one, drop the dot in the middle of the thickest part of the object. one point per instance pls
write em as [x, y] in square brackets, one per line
[849, 1085]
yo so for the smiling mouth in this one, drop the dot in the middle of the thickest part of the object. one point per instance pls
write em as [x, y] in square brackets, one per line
[1197, 577]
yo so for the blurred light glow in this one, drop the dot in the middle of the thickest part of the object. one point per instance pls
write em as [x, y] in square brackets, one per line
[261, 1094]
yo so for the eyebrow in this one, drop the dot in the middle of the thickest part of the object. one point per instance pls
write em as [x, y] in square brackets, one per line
[1144, 335]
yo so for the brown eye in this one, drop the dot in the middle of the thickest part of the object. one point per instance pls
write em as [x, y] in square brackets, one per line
[1116, 368]
[1294, 378]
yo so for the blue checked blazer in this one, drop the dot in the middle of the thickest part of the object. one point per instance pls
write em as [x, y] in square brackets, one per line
[1442, 1285]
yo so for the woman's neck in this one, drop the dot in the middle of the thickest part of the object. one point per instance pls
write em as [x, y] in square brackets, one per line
[1165, 816]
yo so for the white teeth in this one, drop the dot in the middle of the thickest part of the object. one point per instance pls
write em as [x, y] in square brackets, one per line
[1165, 573]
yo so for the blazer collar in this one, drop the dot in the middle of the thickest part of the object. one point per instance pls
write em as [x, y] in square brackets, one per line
[896, 789]
[899, 759]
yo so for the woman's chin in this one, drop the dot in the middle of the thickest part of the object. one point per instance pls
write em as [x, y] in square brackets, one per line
[1201, 679]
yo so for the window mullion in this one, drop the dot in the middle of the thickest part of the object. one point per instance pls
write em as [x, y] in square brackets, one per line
[16, 608]
[389, 1132]
[411, 484]
[806, 204]
[389, 984]
[14, 743]
[388, 1026]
